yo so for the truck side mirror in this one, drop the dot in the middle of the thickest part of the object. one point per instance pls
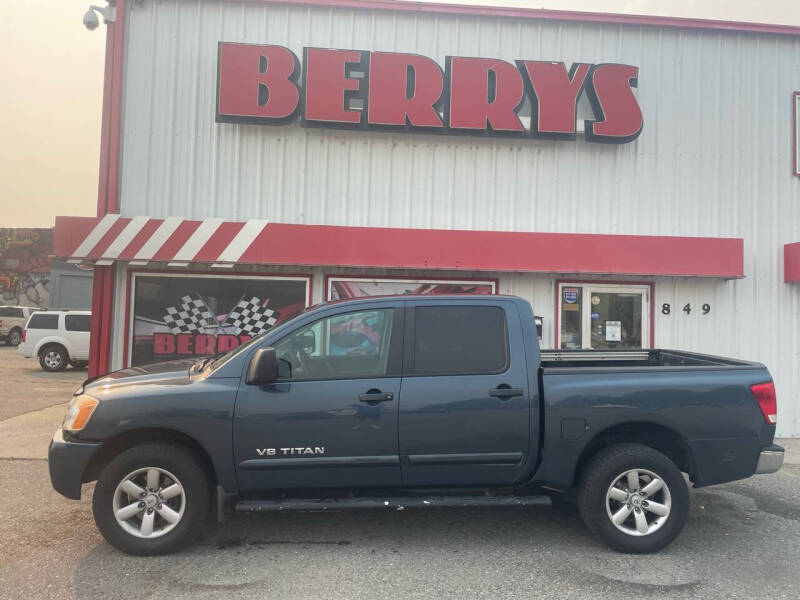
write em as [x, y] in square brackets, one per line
[263, 367]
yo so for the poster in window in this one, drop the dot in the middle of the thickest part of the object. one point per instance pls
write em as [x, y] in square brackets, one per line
[185, 316]
[342, 288]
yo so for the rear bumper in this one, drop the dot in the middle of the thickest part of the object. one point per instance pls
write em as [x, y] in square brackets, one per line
[770, 460]
[67, 461]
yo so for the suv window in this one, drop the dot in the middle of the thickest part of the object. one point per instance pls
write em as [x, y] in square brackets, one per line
[43, 321]
[10, 311]
[346, 346]
[452, 340]
[77, 322]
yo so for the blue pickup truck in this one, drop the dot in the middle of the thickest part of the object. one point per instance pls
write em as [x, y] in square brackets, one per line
[413, 401]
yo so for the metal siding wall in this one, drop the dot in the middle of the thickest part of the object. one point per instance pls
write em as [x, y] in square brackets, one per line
[713, 158]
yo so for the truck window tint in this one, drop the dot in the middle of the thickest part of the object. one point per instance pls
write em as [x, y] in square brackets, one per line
[43, 321]
[348, 346]
[77, 322]
[452, 340]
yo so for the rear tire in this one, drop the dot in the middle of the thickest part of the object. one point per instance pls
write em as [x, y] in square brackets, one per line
[174, 505]
[53, 357]
[633, 498]
[14, 337]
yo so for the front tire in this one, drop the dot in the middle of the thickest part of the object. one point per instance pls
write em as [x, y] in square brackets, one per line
[633, 498]
[53, 358]
[151, 499]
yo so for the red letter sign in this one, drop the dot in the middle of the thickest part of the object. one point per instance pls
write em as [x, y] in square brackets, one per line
[484, 93]
[554, 96]
[611, 94]
[328, 86]
[257, 83]
[403, 89]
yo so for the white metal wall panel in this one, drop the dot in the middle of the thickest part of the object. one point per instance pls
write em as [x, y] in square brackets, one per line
[713, 159]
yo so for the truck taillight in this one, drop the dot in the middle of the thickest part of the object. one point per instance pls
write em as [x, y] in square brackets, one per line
[24, 334]
[767, 401]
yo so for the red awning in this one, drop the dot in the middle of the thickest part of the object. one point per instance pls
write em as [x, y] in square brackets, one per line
[179, 242]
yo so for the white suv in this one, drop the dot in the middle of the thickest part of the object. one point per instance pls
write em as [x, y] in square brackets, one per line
[57, 338]
[12, 322]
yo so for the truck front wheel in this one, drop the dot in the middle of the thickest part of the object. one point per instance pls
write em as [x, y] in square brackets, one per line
[151, 499]
[633, 498]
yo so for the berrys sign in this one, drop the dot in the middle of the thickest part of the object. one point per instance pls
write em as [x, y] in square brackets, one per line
[358, 89]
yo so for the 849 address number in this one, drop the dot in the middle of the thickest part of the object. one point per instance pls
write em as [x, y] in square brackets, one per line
[687, 308]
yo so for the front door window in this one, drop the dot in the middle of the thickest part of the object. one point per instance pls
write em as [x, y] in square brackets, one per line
[603, 316]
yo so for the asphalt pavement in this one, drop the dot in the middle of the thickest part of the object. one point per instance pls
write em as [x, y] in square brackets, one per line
[742, 541]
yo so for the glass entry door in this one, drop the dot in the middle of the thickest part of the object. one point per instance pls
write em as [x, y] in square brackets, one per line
[603, 316]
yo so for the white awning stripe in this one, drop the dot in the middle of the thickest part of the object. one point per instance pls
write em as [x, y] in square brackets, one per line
[197, 240]
[242, 240]
[102, 227]
[158, 239]
[125, 237]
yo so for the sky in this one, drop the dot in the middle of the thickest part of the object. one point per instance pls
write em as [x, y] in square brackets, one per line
[51, 79]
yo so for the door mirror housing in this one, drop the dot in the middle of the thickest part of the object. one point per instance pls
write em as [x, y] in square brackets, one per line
[263, 367]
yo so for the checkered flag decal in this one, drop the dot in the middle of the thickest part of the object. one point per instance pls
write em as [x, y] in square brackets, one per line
[249, 317]
[192, 315]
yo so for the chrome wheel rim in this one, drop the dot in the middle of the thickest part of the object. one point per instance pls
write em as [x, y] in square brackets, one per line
[14, 338]
[52, 359]
[149, 502]
[638, 502]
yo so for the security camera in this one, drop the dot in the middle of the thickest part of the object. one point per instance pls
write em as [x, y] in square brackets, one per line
[90, 20]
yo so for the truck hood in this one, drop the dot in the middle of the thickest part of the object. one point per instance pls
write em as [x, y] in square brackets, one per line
[173, 372]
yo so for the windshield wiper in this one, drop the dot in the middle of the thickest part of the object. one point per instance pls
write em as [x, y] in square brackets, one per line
[204, 362]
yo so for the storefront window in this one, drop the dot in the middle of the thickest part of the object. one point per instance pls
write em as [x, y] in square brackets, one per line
[571, 324]
[340, 288]
[603, 316]
[180, 316]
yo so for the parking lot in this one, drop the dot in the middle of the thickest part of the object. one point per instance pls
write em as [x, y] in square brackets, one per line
[742, 539]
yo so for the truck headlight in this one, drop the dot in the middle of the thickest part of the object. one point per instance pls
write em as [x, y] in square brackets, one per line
[79, 411]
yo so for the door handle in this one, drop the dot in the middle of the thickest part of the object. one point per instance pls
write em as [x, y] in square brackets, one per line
[506, 392]
[375, 397]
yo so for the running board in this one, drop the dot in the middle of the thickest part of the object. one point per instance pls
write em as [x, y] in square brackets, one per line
[400, 503]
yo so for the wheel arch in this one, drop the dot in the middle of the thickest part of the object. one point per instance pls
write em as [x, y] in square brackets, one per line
[114, 446]
[654, 435]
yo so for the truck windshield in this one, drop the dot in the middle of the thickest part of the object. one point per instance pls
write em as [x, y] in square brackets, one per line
[217, 362]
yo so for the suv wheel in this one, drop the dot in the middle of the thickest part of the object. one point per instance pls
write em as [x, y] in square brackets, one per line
[53, 358]
[633, 498]
[151, 499]
[14, 337]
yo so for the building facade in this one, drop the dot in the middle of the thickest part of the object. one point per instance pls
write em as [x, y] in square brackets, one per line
[635, 178]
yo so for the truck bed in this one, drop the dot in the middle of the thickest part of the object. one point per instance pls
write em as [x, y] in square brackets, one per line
[637, 359]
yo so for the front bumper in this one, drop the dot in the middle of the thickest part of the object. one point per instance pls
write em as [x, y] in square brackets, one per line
[770, 460]
[67, 461]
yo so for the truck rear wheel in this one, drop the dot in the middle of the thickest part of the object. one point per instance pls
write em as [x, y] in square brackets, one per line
[151, 499]
[53, 357]
[633, 498]
[14, 337]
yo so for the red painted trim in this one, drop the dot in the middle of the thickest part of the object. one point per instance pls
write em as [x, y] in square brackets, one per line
[460, 250]
[108, 190]
[128, 287]
[650, 284]
[545, 15]
[791, 262]
[424, 279]
[796, 121]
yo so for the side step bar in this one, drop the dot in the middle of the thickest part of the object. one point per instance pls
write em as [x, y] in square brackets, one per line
[399, 503]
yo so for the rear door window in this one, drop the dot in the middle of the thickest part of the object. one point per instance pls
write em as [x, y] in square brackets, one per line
[77, 322]
[459, 340]
[10, 311]
[43, 321]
